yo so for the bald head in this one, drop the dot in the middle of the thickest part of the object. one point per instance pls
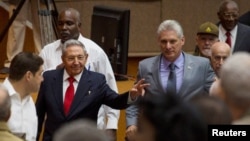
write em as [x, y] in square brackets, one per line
[73, 12]
[220, 51]
[69, 24]
[5, 104]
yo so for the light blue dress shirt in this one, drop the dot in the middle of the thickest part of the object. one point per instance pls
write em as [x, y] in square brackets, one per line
[164, 71]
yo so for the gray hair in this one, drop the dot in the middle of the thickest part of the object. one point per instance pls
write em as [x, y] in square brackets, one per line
[235, 76]
[73, 42]
[80, 130]
[5, 103]
[171, 25]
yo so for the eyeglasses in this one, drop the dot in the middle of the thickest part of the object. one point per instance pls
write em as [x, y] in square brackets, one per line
[229, 15]
[74, 58]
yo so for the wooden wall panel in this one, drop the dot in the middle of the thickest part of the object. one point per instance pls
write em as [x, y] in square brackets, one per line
[144, 19]
[4, 15]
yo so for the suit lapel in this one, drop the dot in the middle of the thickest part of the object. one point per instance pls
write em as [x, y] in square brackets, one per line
[81, 92]
[187, 72]
[156, 74]
[57, 84]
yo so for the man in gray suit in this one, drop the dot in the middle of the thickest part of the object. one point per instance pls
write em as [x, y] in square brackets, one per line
[193, 74]
[228, 15]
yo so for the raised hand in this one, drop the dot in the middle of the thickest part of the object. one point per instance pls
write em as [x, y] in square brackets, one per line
[138, 89]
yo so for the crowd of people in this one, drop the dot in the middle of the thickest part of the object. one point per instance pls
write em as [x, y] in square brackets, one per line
[175, 97]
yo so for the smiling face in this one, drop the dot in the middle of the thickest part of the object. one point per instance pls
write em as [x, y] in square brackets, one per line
[74, 59]
[228, 15]
[170, 44]
[69, 25]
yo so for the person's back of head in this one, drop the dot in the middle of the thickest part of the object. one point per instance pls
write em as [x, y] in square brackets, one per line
[235, 76]
[5, 104]
[80, 130]
[171, 118]
[213, 110]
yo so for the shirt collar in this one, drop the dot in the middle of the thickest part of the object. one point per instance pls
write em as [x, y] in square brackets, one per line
[177, 62]
[12, 92]
[66, 76]
[232, 32]
[11, 89]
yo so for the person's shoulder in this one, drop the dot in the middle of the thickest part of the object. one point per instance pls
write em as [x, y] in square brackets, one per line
[12, 137]
[7, 135]
[150, 59]
[49, 73]
[92, 47]
[52, 45]
[88, 42]
[95, 75]
[196, 58]
[244, 27]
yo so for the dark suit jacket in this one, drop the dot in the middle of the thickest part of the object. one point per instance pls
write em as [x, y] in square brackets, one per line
[245, 18]
[242, 42]
[198, 77]
[91, 93]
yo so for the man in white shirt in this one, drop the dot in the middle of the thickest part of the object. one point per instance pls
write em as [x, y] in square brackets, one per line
[24, 78]
[69, 28]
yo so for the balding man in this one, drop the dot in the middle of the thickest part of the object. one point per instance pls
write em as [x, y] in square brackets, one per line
[5, 105]
[219, 52]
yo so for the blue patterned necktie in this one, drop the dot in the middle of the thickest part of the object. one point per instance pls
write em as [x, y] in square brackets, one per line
[171, 85]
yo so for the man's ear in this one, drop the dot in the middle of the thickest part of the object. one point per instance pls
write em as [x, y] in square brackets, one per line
[87, 55]
[28, 75]
[79, 25]
[8, 116]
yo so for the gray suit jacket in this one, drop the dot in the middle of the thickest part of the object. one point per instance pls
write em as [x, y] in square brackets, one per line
[198, 77]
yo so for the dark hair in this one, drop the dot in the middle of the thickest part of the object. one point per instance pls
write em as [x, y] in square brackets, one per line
[172, 118]
[212, 109]
[23, 62]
